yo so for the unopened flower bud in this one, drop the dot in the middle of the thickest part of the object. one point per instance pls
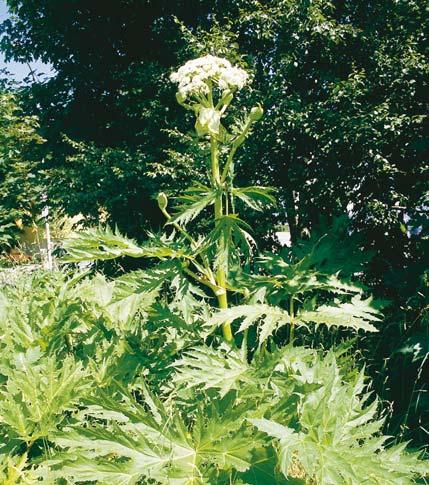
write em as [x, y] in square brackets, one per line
[181, 98]
[162, 201]
[208, 121]
[256, 113]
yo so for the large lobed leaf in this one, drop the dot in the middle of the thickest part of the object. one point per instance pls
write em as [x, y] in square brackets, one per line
[255, 197]
[208, 368]
[37, 393]
[337, 437]
[154, 445]
[99, 244]
[357, 314]
[194, 200]
[270, 318]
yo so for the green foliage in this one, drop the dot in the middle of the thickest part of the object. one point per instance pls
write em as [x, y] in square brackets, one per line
[199, 428]
[343, 85]
[344, 92]
[156, 445]
[104, 244]
[100, 244]
[81, 165]
[257, 198]
[270, 318]
[37, 394]
[208, 368]
[181, 451]
[20, 196]
[15, 470]
[357, 315]
[194, 200]
[337, 438]
[334, 116]
[129, 380]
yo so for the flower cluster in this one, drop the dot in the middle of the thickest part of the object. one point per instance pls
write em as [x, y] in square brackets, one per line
[195, 76]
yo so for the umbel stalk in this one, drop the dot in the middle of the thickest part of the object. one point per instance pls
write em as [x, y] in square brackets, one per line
[221, 273]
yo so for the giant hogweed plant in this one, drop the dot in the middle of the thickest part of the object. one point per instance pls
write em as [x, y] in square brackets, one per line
[214, 261]
[183, 373]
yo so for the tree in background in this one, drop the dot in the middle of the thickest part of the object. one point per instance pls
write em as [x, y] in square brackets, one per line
[344, 83]
[19, 195]
[110, 94]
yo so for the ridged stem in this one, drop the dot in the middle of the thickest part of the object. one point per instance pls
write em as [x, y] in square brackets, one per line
[222, 294]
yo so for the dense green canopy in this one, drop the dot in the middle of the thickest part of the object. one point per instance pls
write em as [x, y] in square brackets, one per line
[342, 83]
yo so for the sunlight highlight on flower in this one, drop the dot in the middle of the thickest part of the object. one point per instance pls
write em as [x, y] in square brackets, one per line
[194, 77]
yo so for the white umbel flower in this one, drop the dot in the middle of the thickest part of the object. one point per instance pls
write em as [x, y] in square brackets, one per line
[195, 76]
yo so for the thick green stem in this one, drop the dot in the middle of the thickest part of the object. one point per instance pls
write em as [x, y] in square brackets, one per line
[221, 294]
[292, 322]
